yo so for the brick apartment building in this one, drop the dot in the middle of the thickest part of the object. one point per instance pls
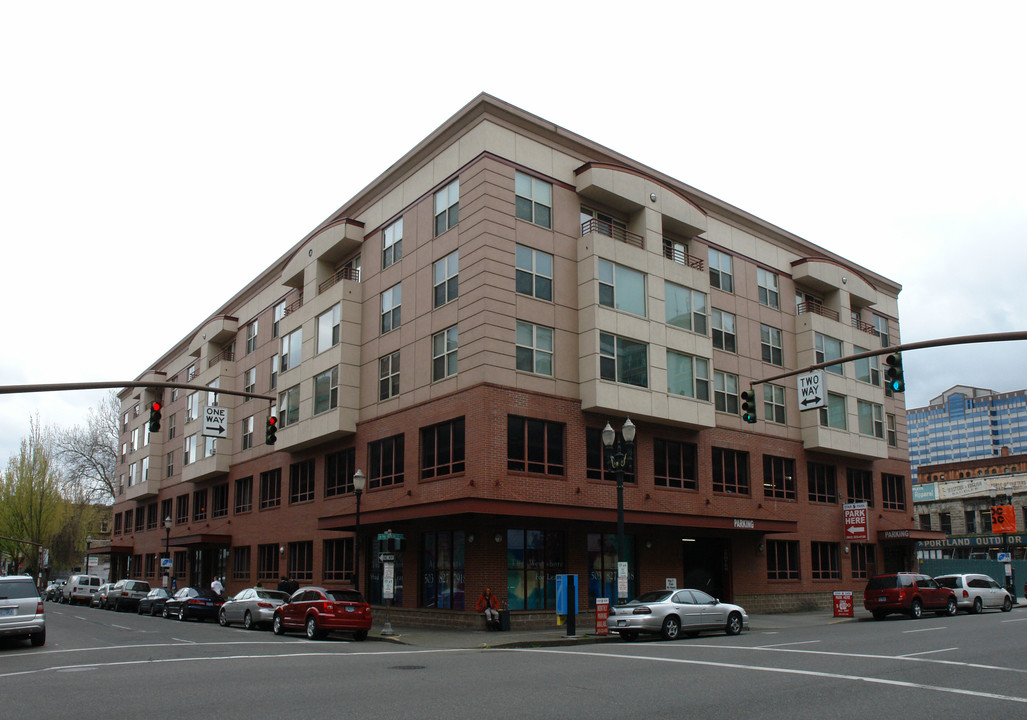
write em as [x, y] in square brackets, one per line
[463, 329]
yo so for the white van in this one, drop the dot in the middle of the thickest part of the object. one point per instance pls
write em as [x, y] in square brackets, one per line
[80, 588]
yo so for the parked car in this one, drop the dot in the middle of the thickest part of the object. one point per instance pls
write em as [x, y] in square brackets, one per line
[153, 603]
[99, 599]
[126, 594]
[909, 593]
[672, 612]
[80, 589]
[251, 607]
[21, 609]
[976, 592]
[192, 602]
[317, 612]
[53, 590]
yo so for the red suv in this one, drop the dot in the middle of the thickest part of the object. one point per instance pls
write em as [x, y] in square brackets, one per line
[908, 593]
[318, 611]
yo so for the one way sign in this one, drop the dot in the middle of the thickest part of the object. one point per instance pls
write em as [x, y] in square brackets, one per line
[215, 422]
[812, 390]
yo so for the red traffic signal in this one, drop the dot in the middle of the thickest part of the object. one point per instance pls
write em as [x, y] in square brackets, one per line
[270, 430]
[154, 416]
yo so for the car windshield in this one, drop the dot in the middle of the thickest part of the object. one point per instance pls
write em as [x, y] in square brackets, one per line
[16, 589]
[652, 597]
[273, 595]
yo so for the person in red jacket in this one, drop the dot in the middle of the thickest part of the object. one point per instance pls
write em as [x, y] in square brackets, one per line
[488, 605]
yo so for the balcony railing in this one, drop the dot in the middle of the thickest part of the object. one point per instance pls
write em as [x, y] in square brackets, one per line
[346, 273]
[295, 303]
[864, 327]
[677, 253]
[226, 354]
[817, 309]
[610, 230]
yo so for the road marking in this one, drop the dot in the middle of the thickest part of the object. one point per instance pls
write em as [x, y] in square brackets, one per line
[287, 641]
[926, 652]
[1017, 620]
[79, 618]
[906, 632]
[120, 626]
[786, 671]
[804, 642]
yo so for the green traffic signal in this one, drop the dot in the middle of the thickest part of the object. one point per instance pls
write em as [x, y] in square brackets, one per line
[748, 406]
[893, 374]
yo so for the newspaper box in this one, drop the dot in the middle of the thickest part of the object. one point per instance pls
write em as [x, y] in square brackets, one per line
[843, 603]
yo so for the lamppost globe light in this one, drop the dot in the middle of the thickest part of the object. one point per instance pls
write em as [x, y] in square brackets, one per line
[628, 431]
[608, 435]
[167, 522]
[359, 480]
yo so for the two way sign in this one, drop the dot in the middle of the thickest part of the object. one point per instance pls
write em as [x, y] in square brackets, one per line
[812, 390]
[215, 422]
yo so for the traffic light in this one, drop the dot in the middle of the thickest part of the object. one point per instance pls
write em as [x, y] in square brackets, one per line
[271, 430]
[893, 375]
[155, 416]
[748, 406]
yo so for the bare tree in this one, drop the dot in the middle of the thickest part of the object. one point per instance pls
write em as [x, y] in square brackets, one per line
[89, 455]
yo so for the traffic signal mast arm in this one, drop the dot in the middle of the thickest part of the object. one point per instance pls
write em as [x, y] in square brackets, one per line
[12, 389]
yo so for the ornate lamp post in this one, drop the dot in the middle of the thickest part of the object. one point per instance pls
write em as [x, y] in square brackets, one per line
[359, 480]
[167, 552]
[619, 459]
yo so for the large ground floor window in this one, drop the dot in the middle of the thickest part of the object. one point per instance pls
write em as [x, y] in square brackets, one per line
[442, 575]
[533, 560]
[602, 567]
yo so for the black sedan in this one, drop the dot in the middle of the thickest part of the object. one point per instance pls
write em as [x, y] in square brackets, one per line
[153, 603]
[191, 602]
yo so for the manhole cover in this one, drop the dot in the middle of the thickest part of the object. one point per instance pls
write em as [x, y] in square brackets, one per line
[407, 667]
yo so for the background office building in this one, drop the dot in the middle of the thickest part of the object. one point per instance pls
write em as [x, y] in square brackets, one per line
[461, 332]
[964, 423]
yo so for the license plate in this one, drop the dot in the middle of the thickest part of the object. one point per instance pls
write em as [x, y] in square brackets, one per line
[349, 609]
[882, 599]
[622, 623]
[4, 612]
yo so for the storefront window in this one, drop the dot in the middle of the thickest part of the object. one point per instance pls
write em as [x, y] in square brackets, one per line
[442, 582]
[533, 560]
[602, 567]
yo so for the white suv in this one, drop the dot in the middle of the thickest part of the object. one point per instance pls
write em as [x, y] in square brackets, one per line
[21, 609]
[976, 592]
[80, 588]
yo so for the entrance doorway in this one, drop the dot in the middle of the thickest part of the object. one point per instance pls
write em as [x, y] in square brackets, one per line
[707, 566]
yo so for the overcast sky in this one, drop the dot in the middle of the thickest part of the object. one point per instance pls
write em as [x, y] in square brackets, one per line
[156, 157]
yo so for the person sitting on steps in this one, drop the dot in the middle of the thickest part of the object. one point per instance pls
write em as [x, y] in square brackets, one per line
[488, 605]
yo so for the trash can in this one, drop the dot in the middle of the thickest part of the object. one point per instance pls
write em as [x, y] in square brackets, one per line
[504, 620]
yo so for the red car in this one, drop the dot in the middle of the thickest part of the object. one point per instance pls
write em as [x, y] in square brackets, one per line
[318, 612]
[909, 593]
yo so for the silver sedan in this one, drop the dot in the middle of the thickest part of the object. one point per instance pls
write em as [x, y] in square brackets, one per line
[251, 607]
[672, 612]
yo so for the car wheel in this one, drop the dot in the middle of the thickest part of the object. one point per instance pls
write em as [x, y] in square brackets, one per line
[247, 621]
[276, 625]
[950, 607]
[1007, 604]
[917, 610]
[734, 624]
[671, 628]
[222, 618]
[978, 606]
[629, 636]
[312, 632]
[360, 635]
[38, 639]
[181, 614]
[164, 612]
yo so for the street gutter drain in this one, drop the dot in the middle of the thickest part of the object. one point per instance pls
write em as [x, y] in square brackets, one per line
[407, 667]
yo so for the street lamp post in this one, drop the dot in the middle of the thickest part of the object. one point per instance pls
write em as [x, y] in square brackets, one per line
[359, 480]
[618, 460]
[167, 552]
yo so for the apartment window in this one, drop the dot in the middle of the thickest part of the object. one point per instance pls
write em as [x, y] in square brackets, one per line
[212, 396]
[534, 200]
[770, 345]
[970, 518]
[688, 376]
[675, 464]
[534, 446]
[392, 302]
[200, 504]
[822, 485]
[945, 520]
[241, 562]
[534, 273]
[725, 392]
[623, 360]
[165, 509]
[338, 564]
[443, 354]
[825, 565]
[339, 469]
[171, 427]
[388, 376]
[881, 327]
[893, 492]
[925, 521]
[292, 350]
[871, 419]
[867, 369]
[445, 284]
[768, 289]
[267, 562]
[827, 349]
[730, 471]
[244, 494]
[385, 459]
[219, 500]
[774, 403]
[326, 391]
[132, 475]
[271, 489]
[249, 380]
[833, 415]
[274, 372]
[151, 564]
[190, 373]
[892, 434]
[279, 313]
[151, 516]
[301, 481]
[251, 337]
[144, 469]
[720, 271]
[117, 523]
[328, 328]
[723, 330]
[192, 408]
[442, 449]
[247, 433]
[863, 557]
[621, 288]
[392, 243]
[782, 560]
[595, 457]
[182, 509]
[778, 477]
[289, 407]
[685, 308]
[189, 451]
[447, 207]
[139, 519]
[860, 484]
[534, 348]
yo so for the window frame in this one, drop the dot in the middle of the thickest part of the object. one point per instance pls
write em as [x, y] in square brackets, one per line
[768, 286]
[445, 346]
[725, 392]
[730, 478]
[529, 209]
[328, 323]
[331, 377]
[391, 308]
[446, 215]
[291, 354]
[392, 243]
[722, 336]
[388, 376]
[700, 389]
[443, 449]
[534, 353]
[446, 279]
[772, 345]
[619, 356]
[525, 454]
[720, 277]
[675, 297]
[774, 404]
[620, 292]
[527, 271]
